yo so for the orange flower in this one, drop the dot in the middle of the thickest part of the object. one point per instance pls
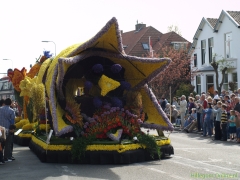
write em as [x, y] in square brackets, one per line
[16, 77]
[34, 70]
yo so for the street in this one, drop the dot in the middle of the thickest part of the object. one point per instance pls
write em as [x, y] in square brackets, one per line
[195, 158]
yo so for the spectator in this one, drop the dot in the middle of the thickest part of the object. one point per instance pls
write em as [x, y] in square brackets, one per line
[174, 114]
[207, 121]
[223, 93]
[175, 103]
[163, 103]
[167, 109]
[215, 93]
[190, 118]
[223, 124]
[238, 91]
[7, 117]
[183, 108]
[190, 104]
[8, 143]
[232, 125]
[2, 142]
[218, 112]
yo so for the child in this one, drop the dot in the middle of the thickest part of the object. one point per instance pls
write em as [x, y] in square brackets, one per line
[224, 122]
[237, 119]
[207, 127]
[217, 129]
[232, 124]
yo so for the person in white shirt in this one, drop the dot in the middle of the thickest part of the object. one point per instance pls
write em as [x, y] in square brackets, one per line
[216, 95]
[182, 110]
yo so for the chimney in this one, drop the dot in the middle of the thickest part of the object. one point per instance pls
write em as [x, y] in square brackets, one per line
[139, 26]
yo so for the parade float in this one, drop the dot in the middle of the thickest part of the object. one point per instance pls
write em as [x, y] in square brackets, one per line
[90, 102]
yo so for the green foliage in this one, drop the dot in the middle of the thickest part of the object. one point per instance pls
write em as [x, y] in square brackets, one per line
[30, 111]
[232, 86]
[150, 143]
[76, 128]
[185, 89]
[80, 145]
[18, 98]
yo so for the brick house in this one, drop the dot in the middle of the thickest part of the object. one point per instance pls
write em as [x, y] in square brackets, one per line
[136, 42]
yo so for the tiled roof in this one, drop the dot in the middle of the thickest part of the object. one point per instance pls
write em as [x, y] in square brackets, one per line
[133, 40]
[212, 21]
[235, 15]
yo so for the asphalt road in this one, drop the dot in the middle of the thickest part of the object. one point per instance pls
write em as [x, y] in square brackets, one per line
[195, 158]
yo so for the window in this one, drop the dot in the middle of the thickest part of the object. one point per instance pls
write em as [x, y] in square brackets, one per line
[5, 86]
[210, 49]
[145, 46]
[210, 84]
[195, 60]
[176, 46]
[198, 84]
[225, 82]
[203, 50]
[228, 45]
[235, 80]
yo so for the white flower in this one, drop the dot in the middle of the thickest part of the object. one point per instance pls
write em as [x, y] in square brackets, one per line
[135, 138]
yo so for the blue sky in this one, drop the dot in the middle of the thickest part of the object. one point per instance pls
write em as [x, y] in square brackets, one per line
[24, 24]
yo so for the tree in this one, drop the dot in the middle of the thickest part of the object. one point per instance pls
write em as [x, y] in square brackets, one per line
[178, 72]
[221, 65]
[174, 28]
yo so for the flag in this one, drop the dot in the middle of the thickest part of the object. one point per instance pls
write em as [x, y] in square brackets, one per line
[150, 47]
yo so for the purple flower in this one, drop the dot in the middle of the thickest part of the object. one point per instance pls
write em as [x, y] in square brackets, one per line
[116, 68]
[97, 102]
[97, 68]
[125, 85]
[117, 102]
[85, 126]
[82, 133]
[87, 85]
[87, 123]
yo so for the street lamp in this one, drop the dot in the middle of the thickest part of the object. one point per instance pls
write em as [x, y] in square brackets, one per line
[9, 60]
[53, 43]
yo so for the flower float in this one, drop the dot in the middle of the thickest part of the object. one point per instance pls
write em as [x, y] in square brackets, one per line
[107, 84]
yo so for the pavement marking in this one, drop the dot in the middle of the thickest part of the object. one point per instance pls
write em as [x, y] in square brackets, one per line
[202, 163]
[188, 151]
[153, 169]
[177, 177]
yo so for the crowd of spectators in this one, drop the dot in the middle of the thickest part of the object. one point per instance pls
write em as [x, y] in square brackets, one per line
[216, 116]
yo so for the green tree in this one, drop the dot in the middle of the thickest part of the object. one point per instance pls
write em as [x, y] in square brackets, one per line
[223, 66]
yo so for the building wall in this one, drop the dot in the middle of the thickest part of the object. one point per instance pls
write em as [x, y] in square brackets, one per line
[219, 48]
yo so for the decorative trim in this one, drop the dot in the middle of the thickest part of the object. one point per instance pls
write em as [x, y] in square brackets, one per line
[160, 111]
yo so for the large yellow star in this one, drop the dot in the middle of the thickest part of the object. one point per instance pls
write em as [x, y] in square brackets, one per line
[139, 71]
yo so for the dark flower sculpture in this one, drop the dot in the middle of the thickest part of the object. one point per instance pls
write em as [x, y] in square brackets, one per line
[97, 68]
[116, 102]
[97, 102]
[87, 85]
[116, 68]
[125, 85]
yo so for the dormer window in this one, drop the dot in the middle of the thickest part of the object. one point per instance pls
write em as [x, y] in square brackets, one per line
[179, 45]
[145, 46]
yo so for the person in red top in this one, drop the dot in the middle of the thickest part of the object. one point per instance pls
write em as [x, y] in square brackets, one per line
[202, 105]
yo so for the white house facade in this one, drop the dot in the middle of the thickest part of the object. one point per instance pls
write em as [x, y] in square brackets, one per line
[219, 39]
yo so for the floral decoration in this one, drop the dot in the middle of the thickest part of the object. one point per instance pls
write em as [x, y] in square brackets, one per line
[16, 77]
[26, 86]
[107, 84]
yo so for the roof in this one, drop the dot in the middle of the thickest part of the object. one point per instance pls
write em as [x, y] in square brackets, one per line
[212, 21]
[215, 24]
[133, 40]
[235, 15]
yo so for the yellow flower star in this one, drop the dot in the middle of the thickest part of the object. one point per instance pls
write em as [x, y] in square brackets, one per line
[107, 84]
